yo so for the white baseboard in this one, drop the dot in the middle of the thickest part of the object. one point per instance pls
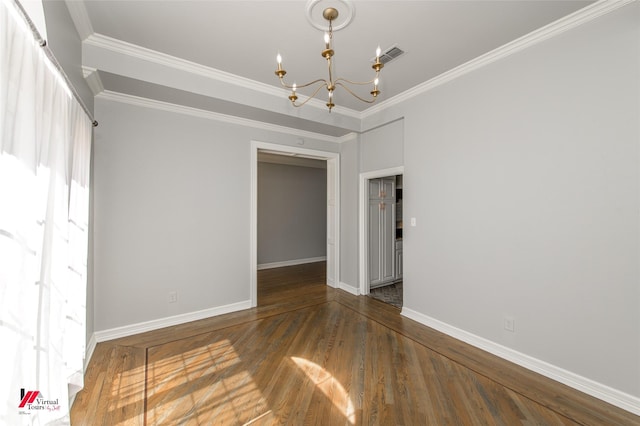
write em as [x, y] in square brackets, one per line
[598, 390]
[88, 353]
[142, 327]
[349, 289]
[291, 262]
[91, 346]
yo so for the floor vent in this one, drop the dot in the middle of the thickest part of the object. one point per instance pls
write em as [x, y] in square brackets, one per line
[389, 55]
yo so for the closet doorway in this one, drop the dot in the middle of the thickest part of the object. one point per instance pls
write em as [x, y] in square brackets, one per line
[381, 250]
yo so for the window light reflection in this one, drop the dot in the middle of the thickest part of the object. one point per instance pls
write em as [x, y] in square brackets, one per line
[329, 385]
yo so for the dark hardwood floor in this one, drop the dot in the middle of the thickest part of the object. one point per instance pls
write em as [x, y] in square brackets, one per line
[310, 354]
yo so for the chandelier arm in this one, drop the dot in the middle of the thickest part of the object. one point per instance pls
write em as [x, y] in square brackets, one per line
[320, 80]
[369, 101]
[313, 95]
[361, 83]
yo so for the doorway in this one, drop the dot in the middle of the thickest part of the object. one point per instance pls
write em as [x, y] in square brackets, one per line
[333, 208]
[365, 235]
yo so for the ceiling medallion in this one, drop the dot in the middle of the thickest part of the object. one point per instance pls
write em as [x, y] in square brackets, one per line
[315, 13]
[330, 21]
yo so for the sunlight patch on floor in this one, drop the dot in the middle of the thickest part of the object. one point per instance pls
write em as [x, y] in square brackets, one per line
[329, 385]
[202, 385]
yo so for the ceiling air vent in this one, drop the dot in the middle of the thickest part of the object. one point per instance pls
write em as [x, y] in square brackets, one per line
[389, 55]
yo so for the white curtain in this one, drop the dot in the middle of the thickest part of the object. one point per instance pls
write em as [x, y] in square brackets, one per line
[45, 143]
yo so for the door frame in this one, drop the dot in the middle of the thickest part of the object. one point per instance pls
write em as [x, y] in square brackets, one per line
[333, 211]
[364, 221]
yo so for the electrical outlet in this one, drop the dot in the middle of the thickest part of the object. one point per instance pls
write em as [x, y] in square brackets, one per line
[510, 324]
[173, 296]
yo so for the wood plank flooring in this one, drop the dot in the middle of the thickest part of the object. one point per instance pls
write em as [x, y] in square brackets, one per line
[310, 354]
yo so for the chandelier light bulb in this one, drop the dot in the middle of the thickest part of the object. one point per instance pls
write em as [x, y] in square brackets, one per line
[375, 82]
[294, 87]
[326, 40]
[378, 51]
[280, 72]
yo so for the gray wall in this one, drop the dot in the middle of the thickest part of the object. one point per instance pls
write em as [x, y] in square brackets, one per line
[382, 147]
[349, 166]
[292, 212]
[171, 212]
[524, 179]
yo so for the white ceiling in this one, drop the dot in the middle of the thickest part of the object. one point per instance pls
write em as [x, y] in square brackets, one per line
[242, 38]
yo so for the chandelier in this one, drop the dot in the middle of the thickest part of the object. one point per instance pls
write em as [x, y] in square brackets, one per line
[330, 14]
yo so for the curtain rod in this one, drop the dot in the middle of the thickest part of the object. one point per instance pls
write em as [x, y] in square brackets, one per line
[43, 43]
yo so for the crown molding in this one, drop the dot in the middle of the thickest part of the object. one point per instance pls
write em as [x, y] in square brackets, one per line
[580, 17]
[93, 80]
[80, 18]
[129, 49]
[210, 115]
[133, 50]
[347, 137]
